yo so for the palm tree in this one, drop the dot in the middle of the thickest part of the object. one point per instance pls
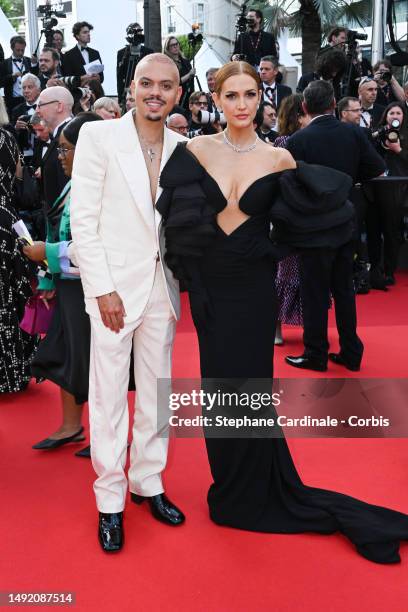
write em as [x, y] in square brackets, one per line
[154, 25]
[312, 19]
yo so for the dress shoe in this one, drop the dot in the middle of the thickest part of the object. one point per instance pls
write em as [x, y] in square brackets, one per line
[337, 358]
[377, 280]
[49, 443]
[389, 280]
[84, 452]
[306, 363]
[161, 508]
[110, 531]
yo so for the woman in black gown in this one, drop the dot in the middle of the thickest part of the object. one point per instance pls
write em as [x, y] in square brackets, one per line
[216, 201]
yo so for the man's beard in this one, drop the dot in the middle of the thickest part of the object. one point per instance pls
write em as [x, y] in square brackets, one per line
[153, 118]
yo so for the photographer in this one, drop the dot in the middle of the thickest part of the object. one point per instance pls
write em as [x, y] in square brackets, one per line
[22, 113]
[384, 217]
[134, 49]
[49, 66]
[255, 43]
[171, 48]
[198, 103]
[389, 90]
[330, 66]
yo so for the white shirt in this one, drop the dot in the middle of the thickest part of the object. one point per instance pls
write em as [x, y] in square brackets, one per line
[18, 66]
[272, 95]
[366, 119]
[84, 53]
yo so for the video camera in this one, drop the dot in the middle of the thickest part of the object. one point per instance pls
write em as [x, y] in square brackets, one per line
[48, 17]
[134, 34]
[352, 36]
[388, 132]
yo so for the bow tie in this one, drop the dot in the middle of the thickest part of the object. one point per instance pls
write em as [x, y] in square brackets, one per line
[84, 48]
[34, 106]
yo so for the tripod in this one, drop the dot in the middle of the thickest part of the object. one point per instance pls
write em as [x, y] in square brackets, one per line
[352, 61]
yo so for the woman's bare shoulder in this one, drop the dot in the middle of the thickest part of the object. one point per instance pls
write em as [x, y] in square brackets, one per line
[281, 159]
[203, 146]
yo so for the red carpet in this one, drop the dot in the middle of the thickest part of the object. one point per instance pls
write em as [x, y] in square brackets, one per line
[48, 518]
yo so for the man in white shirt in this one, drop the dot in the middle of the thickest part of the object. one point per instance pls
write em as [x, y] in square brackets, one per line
[13, 69]
[370, 111]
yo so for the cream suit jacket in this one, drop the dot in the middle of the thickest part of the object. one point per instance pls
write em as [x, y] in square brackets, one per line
[115, 227]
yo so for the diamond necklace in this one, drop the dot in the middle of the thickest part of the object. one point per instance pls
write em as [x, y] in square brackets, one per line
[237, 148]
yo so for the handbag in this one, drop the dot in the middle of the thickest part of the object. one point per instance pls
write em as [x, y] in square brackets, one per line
[37, 317]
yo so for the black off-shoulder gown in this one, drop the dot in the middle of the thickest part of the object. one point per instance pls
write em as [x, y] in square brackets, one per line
[256, 485]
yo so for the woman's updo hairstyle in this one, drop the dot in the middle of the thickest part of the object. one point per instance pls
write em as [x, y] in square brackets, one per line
[234, 69]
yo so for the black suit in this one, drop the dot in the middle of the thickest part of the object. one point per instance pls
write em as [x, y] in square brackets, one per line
[281, 92]
[122, 63]
[6, 81]
[255, 48]
[74, 62]
[23, 136]
[52, 174]
[328, 142]
[376, 113]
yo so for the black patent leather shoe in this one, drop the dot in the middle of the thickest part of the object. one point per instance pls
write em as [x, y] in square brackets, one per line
[110, 531]
[50, 444]
[337, 358]
[161, 508]
[306, 363]
[389, 280]
[84, 452]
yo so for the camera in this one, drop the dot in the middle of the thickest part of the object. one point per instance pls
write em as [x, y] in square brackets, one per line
[85, 91]
[386, 75]
[48, 14]
[134, 35]
[206, 118]
[352, 36]
[388, 132]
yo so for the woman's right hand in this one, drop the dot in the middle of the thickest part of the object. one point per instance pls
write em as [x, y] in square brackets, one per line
[47, 295]
[395, 147]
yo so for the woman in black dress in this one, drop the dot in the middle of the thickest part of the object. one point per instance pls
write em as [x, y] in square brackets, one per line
[16, 347]
[217, 195]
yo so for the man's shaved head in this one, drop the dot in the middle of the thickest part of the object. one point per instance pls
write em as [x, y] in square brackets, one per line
[57, 93]
[55, 105]
[159, 58]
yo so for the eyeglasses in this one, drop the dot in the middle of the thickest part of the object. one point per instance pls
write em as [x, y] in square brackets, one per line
[176, 44]
[63, 151]
[201, 104]
[41, 104]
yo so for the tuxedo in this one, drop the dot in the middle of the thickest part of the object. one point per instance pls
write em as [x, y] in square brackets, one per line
[74, 61]
[25, 139]
[52, 175]
[255, 46]
[345, 147]
[275, 93]
[6, 79]
[119, 246]
[372, 116]
[122, 63]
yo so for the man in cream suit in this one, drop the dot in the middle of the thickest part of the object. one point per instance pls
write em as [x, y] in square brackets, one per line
[130, 294]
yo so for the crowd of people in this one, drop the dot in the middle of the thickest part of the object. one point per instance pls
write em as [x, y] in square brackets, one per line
[57, 124]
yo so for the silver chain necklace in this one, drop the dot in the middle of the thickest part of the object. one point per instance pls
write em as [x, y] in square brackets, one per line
[237, 148]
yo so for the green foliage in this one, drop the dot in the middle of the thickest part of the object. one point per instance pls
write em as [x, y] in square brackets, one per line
[186, 48]
[12, 8]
